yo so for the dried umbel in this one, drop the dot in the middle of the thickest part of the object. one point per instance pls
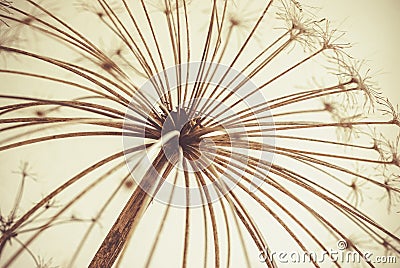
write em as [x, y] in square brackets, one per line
[172, 133]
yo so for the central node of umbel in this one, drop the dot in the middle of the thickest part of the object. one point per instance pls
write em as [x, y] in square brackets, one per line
[191, 132]
[183, 134]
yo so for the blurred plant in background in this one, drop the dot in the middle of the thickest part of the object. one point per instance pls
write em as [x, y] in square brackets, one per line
[195, 133]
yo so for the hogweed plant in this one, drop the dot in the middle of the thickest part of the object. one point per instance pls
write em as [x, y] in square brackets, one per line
[173, 133]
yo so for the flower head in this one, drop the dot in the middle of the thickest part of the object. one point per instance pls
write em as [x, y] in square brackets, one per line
[168, 127]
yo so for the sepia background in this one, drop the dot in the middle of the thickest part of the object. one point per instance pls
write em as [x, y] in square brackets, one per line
[372, 27]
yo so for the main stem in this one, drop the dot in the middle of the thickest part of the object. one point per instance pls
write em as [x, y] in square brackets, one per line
[129, 217]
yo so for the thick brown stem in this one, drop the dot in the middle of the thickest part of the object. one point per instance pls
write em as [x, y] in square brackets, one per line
[129, 217]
